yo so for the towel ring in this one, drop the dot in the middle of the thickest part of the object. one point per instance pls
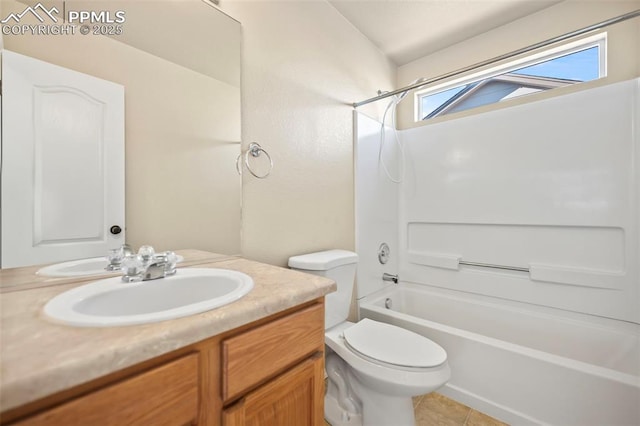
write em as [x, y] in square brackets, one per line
[255, 150]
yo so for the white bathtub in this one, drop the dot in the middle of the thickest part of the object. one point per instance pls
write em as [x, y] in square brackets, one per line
[523, 364]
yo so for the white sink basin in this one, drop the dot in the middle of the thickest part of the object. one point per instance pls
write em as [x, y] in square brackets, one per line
[80, 267]
[111, 302]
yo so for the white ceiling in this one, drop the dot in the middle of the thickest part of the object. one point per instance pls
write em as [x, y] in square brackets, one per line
[406, 30]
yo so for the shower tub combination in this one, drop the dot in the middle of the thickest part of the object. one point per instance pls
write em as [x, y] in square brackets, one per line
[520, 363]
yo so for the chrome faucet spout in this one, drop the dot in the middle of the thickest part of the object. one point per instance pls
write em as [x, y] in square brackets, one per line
[390, 277]
[154, 271]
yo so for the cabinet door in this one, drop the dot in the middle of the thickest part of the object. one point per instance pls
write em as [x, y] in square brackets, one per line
[295, 398]
[163, 396]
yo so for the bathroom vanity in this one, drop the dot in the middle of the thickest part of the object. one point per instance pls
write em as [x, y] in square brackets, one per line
[258, 360]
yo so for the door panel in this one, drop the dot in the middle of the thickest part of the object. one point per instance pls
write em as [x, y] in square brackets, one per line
[63, 163]
[68, 136]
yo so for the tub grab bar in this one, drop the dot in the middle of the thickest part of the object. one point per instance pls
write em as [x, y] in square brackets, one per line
[489, 265]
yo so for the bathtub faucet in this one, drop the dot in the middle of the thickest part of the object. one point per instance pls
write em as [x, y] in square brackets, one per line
[390, 277]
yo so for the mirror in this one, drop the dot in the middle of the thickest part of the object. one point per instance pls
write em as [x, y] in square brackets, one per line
[179, 63]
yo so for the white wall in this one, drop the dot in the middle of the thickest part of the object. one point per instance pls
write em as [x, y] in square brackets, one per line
[303, 65]
[1, 35]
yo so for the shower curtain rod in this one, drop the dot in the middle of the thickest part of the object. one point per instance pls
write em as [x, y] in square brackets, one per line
[563, 37]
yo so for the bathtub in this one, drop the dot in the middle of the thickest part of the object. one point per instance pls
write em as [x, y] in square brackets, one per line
[523, 364]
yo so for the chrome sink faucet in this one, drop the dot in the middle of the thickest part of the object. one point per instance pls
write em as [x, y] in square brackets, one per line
[160, 267]
[154, 271]
[147, 265]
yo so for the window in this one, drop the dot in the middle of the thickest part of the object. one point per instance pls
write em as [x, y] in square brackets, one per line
[562, 66]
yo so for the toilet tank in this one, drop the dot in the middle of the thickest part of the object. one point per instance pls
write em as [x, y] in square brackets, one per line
[338, 265]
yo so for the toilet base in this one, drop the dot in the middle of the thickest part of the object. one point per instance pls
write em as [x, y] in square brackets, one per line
[382, 409]
[378, 410]
[336, 416]
[349, 402]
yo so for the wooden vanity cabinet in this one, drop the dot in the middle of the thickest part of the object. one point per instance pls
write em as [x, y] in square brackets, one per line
[266, 373]
[295, 395]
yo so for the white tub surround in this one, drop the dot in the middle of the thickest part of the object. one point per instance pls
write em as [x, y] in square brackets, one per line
[521, 225]
[550, 187]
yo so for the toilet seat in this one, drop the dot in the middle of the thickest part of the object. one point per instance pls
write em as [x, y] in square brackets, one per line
[412, 381]
[388, 344]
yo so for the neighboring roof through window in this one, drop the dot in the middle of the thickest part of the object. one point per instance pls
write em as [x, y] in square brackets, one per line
[562, 66]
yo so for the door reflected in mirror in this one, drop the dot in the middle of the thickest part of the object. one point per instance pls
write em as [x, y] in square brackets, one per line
[179, 63]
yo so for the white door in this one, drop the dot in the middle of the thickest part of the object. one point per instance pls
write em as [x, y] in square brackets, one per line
[62, 178]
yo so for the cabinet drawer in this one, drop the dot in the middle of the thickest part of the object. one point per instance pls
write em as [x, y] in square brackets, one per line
[258, 354]
[166, 395]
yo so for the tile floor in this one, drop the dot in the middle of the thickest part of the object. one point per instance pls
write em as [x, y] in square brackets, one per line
[438, 410]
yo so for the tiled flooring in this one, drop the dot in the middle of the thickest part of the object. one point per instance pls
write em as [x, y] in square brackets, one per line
[438, 410]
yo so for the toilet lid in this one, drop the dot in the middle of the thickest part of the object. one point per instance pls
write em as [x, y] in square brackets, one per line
[394, 345]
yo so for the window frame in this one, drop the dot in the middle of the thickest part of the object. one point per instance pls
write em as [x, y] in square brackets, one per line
[598, 40]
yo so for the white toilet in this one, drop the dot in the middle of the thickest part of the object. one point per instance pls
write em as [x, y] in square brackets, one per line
[373, 368]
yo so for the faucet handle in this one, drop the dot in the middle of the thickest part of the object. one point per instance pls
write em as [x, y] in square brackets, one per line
[115, 258]
[170, 263]
[133, 268]
[126, 250]
[147, 254]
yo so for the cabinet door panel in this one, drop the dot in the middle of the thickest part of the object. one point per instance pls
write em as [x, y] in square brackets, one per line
[167, 395]
[293, 399]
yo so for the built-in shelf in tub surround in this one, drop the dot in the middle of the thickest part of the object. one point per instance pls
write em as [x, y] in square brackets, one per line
[40, 358]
